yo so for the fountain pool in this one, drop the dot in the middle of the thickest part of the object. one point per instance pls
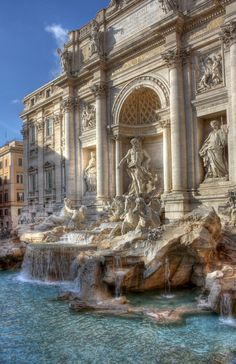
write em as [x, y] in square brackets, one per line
[37, 329]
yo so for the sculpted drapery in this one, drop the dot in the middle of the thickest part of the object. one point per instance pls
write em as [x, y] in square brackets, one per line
[213, 152]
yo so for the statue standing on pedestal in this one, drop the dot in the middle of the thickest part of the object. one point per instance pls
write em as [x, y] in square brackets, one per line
[66, 60]
[90, 174]
[213, 152]
[138, 163]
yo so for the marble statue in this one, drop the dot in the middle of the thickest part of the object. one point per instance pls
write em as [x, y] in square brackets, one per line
[88, 117]
[117, 208]
[66, 60]
[138, 168]
[68, 217]
[211, 72]
[168, 5]
[137, 214]
[213, 152]
[95, 45]
[90, 174]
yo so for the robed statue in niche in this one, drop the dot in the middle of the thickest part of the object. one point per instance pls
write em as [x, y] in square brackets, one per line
[90, 174]
[214, 151]
[138, 168]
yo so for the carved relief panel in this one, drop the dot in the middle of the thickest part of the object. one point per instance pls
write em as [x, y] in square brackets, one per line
[209, 71]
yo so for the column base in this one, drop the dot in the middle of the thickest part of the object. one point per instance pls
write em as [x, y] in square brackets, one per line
[177, 204]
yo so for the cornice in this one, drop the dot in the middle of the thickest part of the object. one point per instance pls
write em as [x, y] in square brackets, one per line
[201, 18]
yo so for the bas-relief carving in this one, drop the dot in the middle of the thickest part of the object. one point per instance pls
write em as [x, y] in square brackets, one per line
[214, 152]
[90, 174]
[210, 72]
[138, 168]
[88, 117]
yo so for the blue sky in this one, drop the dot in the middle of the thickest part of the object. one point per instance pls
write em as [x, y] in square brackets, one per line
[30, 32]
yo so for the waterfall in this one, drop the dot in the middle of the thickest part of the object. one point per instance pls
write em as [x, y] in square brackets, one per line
[119, 275]
[226, 309]
[167, 280]
[50, 262]
[80, 238]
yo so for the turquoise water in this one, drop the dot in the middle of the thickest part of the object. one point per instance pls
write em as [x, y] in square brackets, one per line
[37, 329]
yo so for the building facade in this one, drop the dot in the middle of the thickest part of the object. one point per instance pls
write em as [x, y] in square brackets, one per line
[11, 184]
[160, 71]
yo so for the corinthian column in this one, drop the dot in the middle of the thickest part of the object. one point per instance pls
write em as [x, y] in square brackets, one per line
[177, 118]
[68, 105]
[25, 134]
[228, 36]
[119, 171]
[99, 90]
[166, 156]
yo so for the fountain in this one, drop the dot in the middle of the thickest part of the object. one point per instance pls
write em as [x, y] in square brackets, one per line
[167, 280]
[226, 309]
[119, 275]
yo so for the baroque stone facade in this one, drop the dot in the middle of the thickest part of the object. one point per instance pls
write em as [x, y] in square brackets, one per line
[158, 74]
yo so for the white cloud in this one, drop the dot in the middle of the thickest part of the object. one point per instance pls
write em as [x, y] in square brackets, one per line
[59, 33]
[15, 102]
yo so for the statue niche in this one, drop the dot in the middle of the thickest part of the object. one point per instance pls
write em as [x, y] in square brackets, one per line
[214, 152]
[90, 174]
[138, 167]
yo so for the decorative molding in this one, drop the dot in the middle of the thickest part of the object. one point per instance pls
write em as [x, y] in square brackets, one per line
[99, 89]
[165, 124]
[69, 103]
[174, 57]
[169, 5]
[228, 34]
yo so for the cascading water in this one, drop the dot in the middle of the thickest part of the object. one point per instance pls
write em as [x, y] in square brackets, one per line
[226, 309]
[80, 238]
[167, 280]
[50, 262]
[119, 275]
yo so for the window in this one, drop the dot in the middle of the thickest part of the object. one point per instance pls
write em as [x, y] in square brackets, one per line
[6, 212]
[19, 212]
[19, 178]
[5, 180]
[49, 179]
[1, 200]
[49, 127]
[20, 162]
[0, 164]
[32, 134]
[32, 182]
[0, 181]
[32, 101]
[1, 212]
[6, 197]
[20, 196]
[6, 162]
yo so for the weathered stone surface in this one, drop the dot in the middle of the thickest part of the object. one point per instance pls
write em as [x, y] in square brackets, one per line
[11, 254]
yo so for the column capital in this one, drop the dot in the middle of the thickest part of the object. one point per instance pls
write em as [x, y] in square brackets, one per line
[228, 34]
[99, 89]
[165, 124]
[174, 57]
[68, 103]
